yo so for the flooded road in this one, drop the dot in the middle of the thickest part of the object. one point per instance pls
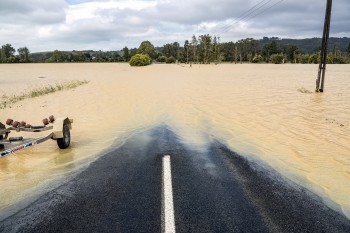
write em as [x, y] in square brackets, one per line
[267, 113]
[212, 190]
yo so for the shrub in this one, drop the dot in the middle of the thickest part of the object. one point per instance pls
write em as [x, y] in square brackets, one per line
[140, 60]
[314, 58]
[277, 58]
[170, 59]
[161, 59]
[257, 59]
[302, 58]
[340, 60]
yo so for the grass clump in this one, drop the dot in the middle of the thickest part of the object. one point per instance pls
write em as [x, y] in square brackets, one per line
[39, 91]
[304, 90]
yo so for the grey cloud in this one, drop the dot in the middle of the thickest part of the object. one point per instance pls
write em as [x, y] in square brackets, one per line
[194, 12]
[298, 19]
[166, 22]
[32, 12]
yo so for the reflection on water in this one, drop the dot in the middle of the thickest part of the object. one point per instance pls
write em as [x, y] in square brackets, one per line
[268, 112]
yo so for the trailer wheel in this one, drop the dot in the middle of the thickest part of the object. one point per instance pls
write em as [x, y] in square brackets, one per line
[1, 145]
[64, 142]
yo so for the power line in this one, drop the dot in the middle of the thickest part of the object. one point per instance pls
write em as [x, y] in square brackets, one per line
[244, 15]
[262, 12]
[258, 9]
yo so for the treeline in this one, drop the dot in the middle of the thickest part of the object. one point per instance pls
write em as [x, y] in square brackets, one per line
[76, 56]
[203, 49]
[7, 55]
[309, 45]
[207, 49]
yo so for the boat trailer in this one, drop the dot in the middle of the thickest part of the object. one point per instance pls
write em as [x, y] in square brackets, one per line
[59, 129]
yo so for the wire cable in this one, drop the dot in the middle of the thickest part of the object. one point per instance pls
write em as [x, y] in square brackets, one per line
[258, 9]
[244, 15]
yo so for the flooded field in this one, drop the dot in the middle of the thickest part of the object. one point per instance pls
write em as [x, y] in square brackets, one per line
[264, 112]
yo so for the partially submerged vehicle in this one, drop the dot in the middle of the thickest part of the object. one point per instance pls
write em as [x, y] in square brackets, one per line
[58, 129]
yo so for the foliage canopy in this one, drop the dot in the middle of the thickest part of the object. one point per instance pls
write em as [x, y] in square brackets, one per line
[140, 60]
[202, 49]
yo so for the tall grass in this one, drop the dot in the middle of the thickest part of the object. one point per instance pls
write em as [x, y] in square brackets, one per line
[8, 101]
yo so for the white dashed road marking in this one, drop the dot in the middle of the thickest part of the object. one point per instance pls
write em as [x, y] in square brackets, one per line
[168, 204]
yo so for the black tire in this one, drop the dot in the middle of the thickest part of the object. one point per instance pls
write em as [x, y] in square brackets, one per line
[64, 142]
[2, 146]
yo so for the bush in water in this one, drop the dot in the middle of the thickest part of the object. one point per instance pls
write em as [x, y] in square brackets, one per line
[140, 60]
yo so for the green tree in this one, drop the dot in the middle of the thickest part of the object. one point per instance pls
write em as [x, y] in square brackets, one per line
[247, 48]
[194, 48]
[314, 58]
[277, 58]
[173, 49]
[217, 56]
[205, 48]
[187, 53]
[58, 56]
[1, 55]
[257, 58]
[7, 51]
[340, 60]
[291, 52]
[330, 58]
[126, 54]
[13, 59]
[168, 50]
[23, 54]
[270, 49]
[302, 58]
[228, 51]
[147, 48]
[87, 56]
[77, 56]
[348, 50]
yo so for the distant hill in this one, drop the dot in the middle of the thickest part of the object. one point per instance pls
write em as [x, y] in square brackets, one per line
[309, 45]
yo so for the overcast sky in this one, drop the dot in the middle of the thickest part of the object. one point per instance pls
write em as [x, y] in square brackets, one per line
[46, 25]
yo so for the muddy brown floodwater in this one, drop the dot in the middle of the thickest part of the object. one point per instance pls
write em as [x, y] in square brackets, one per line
[265, 112]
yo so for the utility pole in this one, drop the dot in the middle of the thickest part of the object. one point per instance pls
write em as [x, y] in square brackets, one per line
[324, 49]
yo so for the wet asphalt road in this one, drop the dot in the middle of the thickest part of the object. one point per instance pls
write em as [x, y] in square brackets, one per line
[214, 190]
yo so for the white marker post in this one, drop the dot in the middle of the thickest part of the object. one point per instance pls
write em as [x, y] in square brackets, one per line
[168, 204]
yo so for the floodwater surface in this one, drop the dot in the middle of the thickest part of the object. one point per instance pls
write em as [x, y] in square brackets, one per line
[265, 112]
